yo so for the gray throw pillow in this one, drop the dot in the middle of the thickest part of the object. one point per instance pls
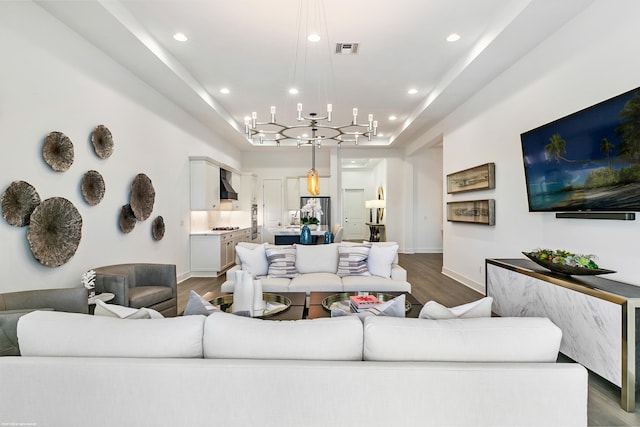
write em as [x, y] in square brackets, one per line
[198, 305]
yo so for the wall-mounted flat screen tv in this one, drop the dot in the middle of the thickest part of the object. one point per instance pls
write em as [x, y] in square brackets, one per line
[587, 161]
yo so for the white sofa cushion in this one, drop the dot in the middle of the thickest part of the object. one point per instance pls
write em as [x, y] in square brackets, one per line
[479, 308]
[497, 339]
[56, 333]
[373, 284]
[253, 260]
[227, 336]
[247, 245]
[317, 258]
[380, 259]
[316, 282]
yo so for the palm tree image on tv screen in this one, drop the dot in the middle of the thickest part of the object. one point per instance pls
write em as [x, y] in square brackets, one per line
[587, 161]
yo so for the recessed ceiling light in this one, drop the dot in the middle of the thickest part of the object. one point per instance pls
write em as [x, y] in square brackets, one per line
[412, 91]
[453, 37]
[225, 90]
[392, 117]
[180, 37]
[293, 91]
[313, 37]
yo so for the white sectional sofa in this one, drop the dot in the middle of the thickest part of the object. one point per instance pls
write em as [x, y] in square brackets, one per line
[336, 267]
[226, 370]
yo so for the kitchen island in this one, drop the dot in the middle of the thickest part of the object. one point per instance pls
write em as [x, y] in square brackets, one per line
[290, 235]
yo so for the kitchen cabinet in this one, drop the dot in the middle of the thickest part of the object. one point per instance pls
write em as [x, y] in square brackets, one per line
[212, 254]
[205, 184]
[248, 191]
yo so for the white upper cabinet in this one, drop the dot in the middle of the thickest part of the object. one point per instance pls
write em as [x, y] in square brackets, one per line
[205, 184]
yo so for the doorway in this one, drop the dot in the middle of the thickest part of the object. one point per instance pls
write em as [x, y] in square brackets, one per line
[354, 214]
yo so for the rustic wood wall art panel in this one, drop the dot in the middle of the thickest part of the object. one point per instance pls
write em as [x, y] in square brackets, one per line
[477, 178]
[127, 219]
[102, 141]
[93, 187]
[474, 211]
[157, 229]
[58, 151]
[55, 231]
[18, 202]
[142, 197]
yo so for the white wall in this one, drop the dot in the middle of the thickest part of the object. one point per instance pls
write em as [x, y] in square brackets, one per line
[590, 59]
[51, 79]
[428, 196]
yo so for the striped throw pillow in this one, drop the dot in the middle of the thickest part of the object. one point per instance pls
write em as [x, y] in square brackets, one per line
[352, 261]
[282, 261]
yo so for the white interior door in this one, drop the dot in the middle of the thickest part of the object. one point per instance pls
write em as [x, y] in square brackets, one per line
[354, 214]
[272, 208]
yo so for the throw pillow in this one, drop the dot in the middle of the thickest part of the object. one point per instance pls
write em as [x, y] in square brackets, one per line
[282, 261]
[253, 260]
[353, 261]
[121, 312]
[380, 259]
[434, 310]
[198, 305]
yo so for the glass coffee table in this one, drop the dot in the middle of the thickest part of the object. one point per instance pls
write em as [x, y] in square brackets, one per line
[295, 311]
[317, 310]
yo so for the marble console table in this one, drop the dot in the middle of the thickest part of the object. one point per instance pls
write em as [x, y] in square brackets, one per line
[597, 315]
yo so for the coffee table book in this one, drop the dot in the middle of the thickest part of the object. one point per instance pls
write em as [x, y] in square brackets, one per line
[362, 302]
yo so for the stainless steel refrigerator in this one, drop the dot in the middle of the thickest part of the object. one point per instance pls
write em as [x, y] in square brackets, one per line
[325, 205]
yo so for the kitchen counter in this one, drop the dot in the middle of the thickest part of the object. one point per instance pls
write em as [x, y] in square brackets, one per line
[217, 232]
[295, 231]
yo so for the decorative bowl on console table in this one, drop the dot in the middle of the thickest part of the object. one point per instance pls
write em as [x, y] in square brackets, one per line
[587, 267]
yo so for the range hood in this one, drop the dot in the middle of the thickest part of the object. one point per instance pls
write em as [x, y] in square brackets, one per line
[226, 190]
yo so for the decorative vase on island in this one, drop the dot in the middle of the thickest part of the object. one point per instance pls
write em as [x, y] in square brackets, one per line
[328, 237]
[305, 235]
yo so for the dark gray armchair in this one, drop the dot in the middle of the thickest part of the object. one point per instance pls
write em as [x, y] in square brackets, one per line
[14, 305]
[141, 285]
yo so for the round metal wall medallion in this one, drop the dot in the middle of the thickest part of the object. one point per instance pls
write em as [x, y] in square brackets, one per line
[18, 202]
[55, 231]
[93, 187]
[102, 141]
[58, 151]
[142, 197]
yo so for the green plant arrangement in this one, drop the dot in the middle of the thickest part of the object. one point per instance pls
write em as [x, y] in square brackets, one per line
[566, 263]
[563, 257]
[308, 220]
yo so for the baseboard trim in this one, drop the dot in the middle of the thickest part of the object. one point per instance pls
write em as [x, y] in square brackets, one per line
[478, 287]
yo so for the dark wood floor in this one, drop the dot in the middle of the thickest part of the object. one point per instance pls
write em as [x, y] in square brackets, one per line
[428, 283]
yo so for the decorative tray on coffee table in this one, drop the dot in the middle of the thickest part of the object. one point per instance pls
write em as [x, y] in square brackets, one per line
[275, 304]
[341, 300]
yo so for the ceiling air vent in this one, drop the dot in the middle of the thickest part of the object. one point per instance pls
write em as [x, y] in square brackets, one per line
[346, 48]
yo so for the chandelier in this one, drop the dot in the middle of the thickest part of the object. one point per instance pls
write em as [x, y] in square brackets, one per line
[272, 131]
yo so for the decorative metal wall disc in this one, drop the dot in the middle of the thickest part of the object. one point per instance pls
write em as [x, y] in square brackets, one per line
[157, 228]
[127, 219]
[58, 151]
[142, 197]
[18, 202]
[55, 231]
[93, 187]
[102, 141]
